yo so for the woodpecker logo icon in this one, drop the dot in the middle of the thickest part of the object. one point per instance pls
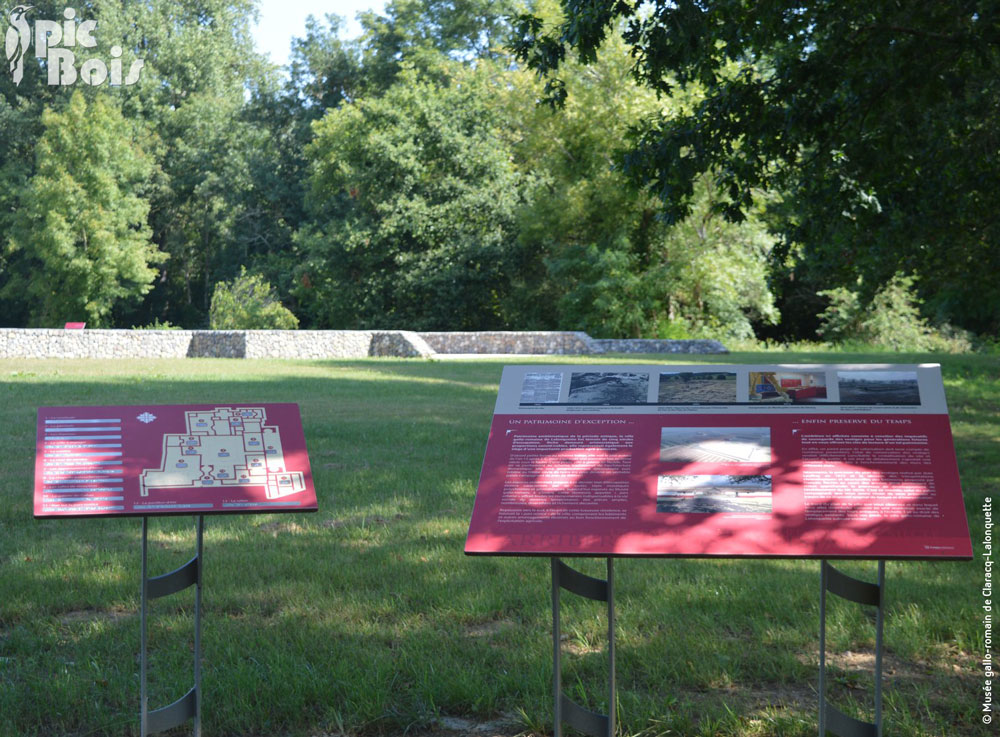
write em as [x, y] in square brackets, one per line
[17, 40]
[57, 43]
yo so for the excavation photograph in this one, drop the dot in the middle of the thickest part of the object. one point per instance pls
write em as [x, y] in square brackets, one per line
[600, 388]
[697, 387]
[712, 494]
[715, 444]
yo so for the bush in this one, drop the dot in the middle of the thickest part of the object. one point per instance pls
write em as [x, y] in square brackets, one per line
[248, 303]
[157, 325]
[891, 321]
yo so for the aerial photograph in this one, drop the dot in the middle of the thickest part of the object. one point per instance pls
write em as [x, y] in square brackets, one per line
[878, 387]
[592, 387]
[715, 444]
[711, 494]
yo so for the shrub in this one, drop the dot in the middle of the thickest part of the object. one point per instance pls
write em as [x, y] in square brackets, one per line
[248, 303]
[891, 321]
[157, 325]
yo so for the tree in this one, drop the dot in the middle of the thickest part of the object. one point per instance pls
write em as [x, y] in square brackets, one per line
[21, 127]
[417, 32]
[80, 236]
[611, 265]
[876, 121]
[200, 69]
[412, 198]
[325, 70]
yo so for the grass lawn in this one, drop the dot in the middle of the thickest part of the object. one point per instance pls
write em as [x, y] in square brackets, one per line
[367, 618]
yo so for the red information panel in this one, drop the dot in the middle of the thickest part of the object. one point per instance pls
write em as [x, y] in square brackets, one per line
[171, 459]
[770, 461]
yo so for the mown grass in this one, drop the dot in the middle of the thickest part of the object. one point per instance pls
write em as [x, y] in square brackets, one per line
[366, 618]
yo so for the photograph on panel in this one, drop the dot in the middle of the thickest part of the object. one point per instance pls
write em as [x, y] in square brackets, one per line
[541, 387]
[878, 387]
[788, 387]
[715, 444]
[697, 387]
[713, 494]
[592, 387]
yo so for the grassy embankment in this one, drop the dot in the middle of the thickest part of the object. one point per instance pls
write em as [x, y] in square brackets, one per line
[367, 618]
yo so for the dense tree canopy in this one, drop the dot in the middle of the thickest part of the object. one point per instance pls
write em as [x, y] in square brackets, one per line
[199, 66]
[613, 266]
[877, 122]
[80, 234]
[413, 197]
[711, 162]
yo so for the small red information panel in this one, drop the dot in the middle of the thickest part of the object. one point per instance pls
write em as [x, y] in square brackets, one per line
[769, 461]
[171, 459]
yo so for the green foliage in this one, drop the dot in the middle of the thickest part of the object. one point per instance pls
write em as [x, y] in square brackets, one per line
[248, 303]
[876, 121]
[842, 318]
[891, 321]
[441, 195]
[207, 211]
[716, 271]
[207, 208]
[413, 198]
[416, 33]
[80, 240]
[612, 266]
[604, 293]
[158, 325]
[325, 70]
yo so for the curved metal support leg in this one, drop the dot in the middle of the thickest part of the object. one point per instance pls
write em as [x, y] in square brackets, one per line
[565, 709]
[187, 706]
[831, 719]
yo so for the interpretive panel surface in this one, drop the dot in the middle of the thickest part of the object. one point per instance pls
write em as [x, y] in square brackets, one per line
[770, 461]
[171, 459]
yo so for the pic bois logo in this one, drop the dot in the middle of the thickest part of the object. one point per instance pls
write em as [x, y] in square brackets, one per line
[58, 43]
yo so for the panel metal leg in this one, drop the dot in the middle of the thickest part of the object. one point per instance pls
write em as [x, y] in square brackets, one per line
[584, 720]
[187, 706]
[831, 719]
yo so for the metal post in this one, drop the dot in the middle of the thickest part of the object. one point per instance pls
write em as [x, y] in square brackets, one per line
[879, 619]
[565, 709]
[612, 699]
[822, 648]
[831, 719]
[187, 706]
[556, 653]
[143, 698]
[197, 631]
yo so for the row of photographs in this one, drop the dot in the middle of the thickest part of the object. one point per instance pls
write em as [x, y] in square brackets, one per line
[724, 387]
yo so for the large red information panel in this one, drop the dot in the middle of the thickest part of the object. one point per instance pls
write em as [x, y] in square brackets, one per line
[769, 461]
[171, 459]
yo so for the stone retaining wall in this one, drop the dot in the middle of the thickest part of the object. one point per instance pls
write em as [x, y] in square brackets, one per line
[318, 344]
[658, 346]
[18, 343]
[539, 342]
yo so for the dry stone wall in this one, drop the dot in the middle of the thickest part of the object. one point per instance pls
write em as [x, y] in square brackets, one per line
[658, 346]
[514, 342]
[301, 344]
[318, 344]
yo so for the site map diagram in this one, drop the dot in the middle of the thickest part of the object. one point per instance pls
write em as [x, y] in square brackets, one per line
[224, 447]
